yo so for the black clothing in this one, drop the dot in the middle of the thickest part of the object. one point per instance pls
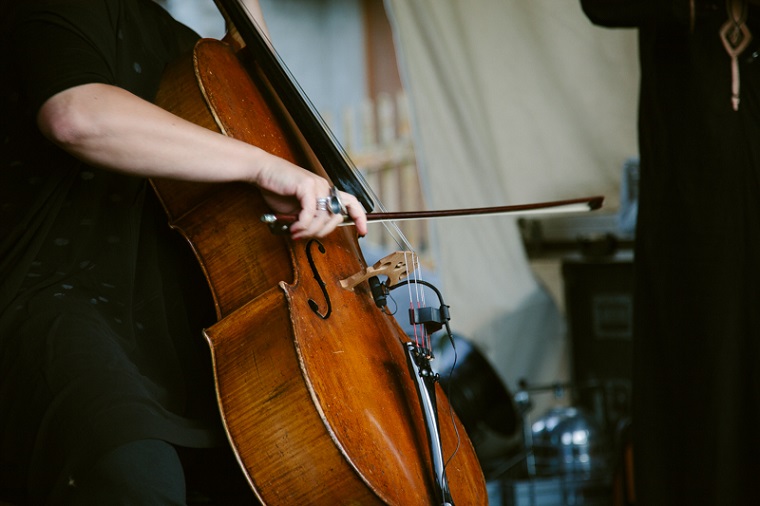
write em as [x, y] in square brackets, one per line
[696, 379]
[147, 472]
[96, 349]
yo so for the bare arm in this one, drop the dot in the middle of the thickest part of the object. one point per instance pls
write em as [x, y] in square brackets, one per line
[109, 127]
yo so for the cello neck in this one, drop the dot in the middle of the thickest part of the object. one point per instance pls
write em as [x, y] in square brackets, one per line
[250, 39]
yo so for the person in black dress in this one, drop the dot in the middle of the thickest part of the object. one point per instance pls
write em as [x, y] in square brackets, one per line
[696, 381]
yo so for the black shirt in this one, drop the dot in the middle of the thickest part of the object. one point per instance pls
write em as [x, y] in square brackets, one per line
[96, 348]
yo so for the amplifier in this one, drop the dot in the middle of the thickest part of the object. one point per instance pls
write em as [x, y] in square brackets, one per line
[598, 293]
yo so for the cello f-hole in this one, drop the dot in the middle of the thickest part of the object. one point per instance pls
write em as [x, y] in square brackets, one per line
[312, 303]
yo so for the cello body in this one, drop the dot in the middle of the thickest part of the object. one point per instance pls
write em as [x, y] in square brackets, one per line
[311, 378]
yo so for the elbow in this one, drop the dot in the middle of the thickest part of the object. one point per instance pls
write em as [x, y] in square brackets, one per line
[66, 120]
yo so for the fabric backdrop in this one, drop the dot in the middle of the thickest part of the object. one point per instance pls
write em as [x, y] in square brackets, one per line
[513, 101]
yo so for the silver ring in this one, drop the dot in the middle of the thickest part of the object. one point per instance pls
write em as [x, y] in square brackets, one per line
[336, 205]
[324, 204]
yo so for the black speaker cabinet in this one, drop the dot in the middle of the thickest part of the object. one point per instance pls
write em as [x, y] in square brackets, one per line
[599, 309]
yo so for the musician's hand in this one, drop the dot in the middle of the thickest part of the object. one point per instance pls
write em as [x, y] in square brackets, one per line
[289, 189]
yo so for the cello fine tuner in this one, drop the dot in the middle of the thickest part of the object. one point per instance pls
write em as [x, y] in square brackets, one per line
[394, 266]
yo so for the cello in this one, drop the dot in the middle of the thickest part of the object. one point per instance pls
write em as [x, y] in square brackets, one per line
[325, 400]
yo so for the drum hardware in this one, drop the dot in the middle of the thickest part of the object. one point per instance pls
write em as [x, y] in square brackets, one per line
[563, 457]
[567, 453]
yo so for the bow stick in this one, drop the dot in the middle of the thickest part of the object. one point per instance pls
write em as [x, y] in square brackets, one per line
[281, 222]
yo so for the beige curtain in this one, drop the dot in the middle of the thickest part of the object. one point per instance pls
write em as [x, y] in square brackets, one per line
[513, 101]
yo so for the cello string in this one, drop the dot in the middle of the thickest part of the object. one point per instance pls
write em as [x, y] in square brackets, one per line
[420, 332]
[411, 299]
[422, 337]
[420, 298]
[393, 229]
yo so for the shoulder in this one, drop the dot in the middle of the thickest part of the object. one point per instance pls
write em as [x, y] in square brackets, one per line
[75, 15]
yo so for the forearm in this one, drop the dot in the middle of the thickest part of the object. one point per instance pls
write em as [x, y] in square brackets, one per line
[109, 127]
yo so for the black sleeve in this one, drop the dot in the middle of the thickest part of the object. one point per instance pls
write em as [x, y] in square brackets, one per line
[127, 43]
[64, 47]
[634, 13]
